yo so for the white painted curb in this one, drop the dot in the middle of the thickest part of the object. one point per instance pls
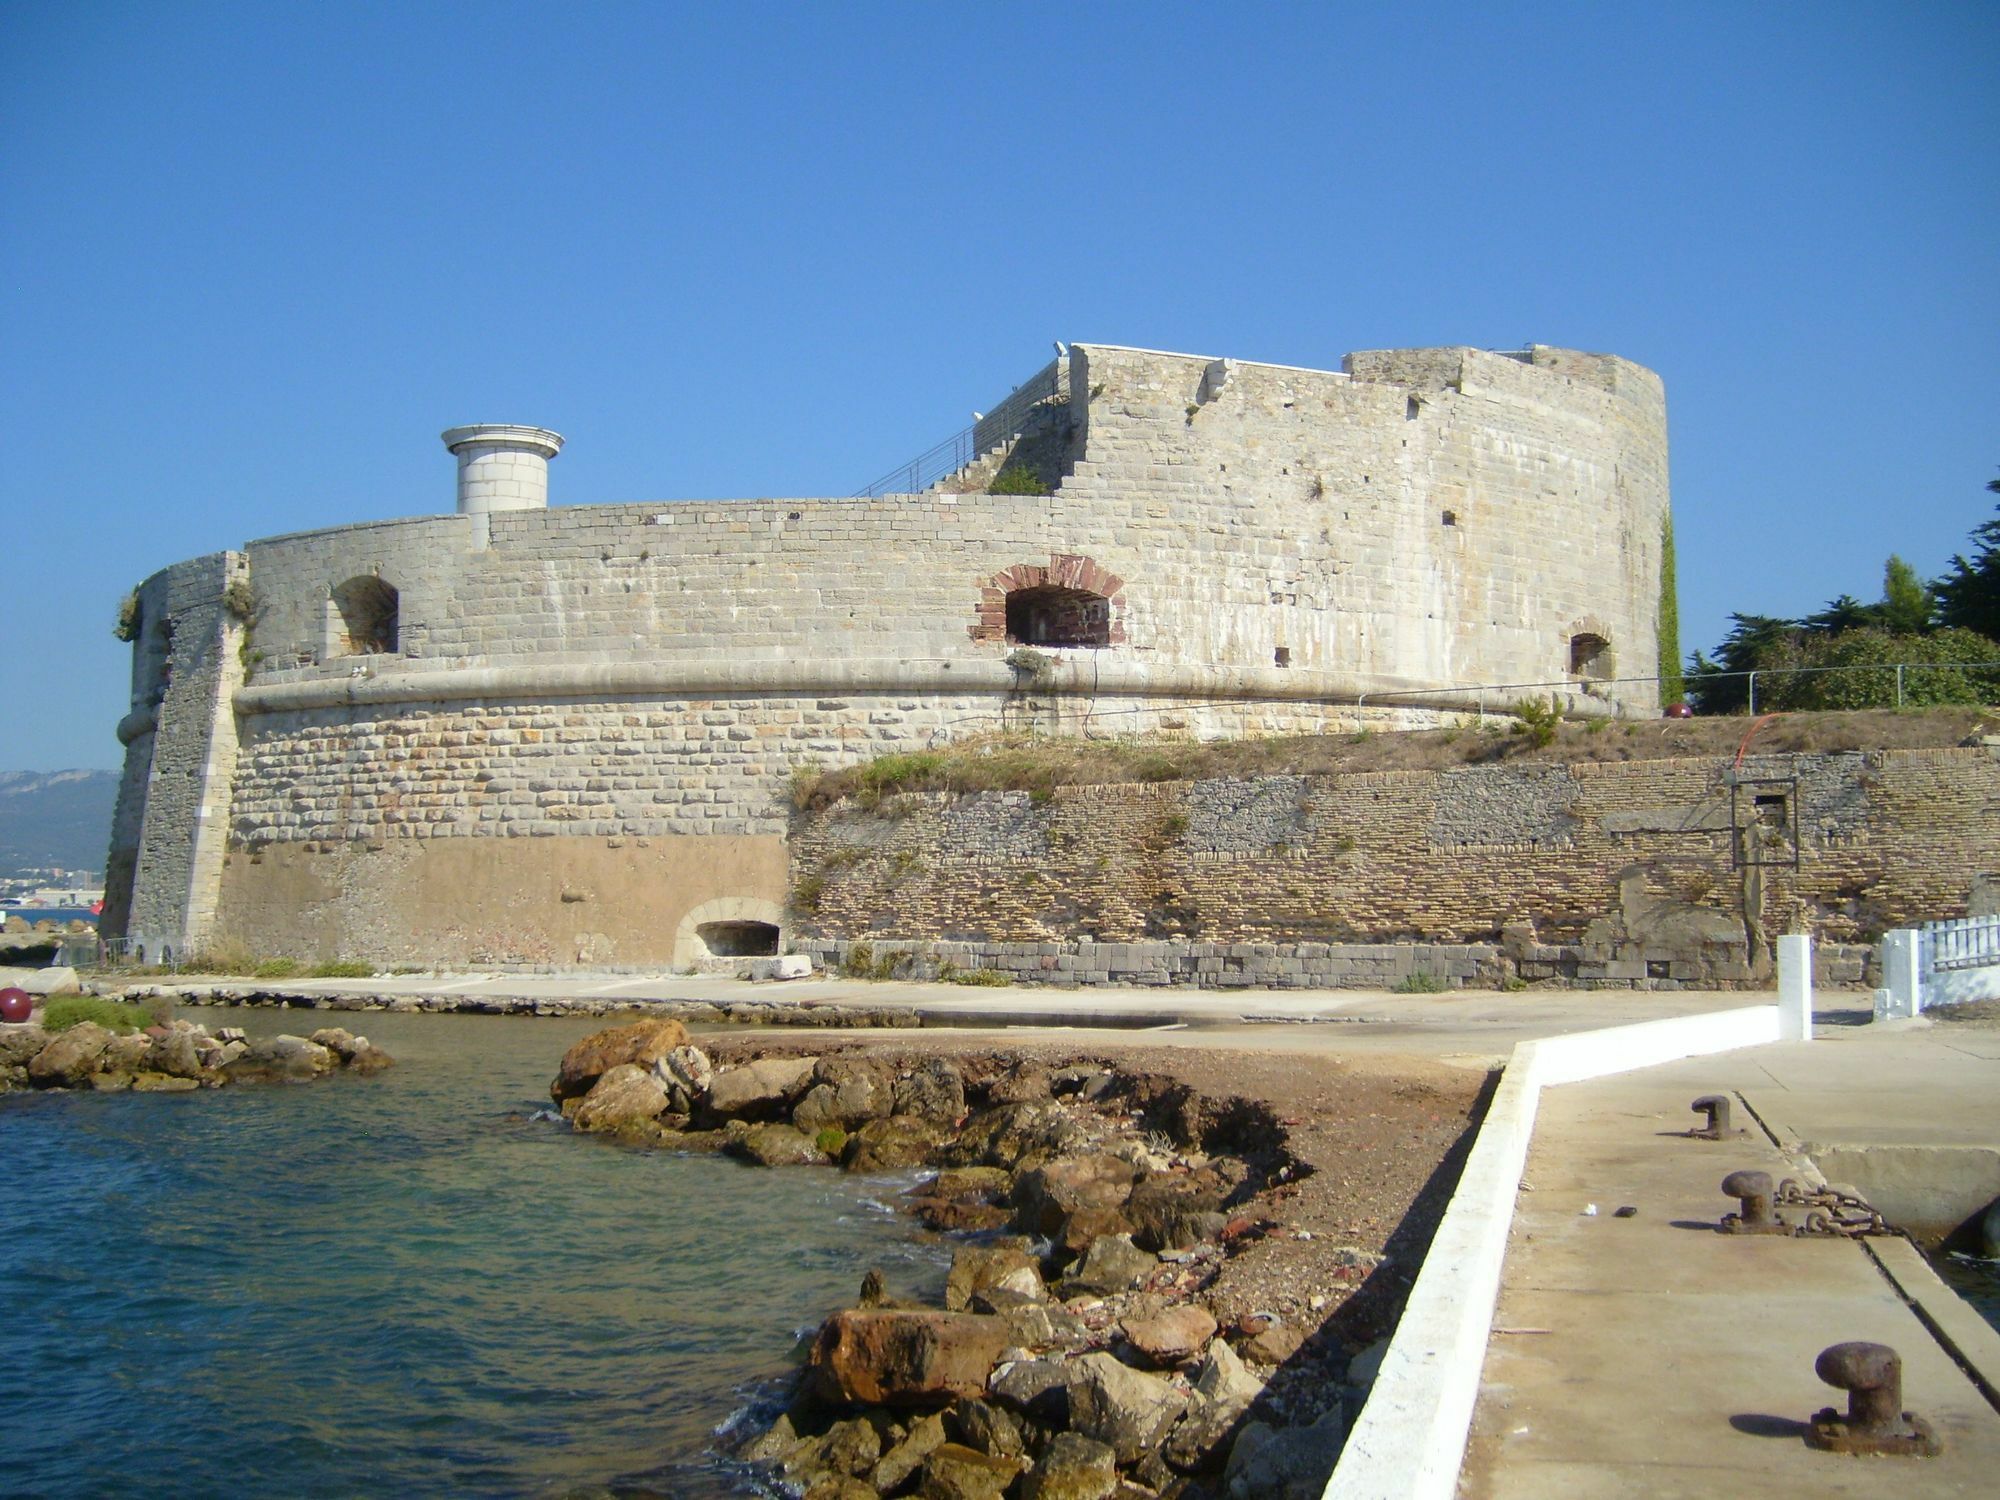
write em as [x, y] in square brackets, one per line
[1409, 1440]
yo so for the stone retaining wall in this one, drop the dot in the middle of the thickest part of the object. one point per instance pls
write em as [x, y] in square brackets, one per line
[1643, 872]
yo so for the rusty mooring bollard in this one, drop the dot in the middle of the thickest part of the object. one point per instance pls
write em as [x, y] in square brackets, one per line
[1872, 1376]
[1716, 1107]
[1753, 1191]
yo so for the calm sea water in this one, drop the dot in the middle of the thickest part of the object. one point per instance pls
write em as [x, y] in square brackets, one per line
[404, 1284]
[1977, 1281]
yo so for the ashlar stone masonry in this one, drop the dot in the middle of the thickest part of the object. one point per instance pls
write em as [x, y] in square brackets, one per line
[535, 735]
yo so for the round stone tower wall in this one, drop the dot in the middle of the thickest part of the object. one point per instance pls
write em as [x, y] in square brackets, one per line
[502, 466]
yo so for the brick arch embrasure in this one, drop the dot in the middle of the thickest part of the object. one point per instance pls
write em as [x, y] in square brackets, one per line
[1065, 570]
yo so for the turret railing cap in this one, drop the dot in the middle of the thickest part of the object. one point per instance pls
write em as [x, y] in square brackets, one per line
[539, 438]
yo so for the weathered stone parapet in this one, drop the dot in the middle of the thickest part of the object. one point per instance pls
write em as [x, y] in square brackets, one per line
[1057, 675]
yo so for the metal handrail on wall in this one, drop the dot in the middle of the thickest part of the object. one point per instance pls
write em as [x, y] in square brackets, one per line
[926, 469]
[1003, 424]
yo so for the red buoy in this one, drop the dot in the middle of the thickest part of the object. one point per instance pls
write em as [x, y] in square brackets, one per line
[16, 1005]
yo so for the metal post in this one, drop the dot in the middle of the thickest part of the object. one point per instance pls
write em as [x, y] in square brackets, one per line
[1753, 695]
[1899, 684]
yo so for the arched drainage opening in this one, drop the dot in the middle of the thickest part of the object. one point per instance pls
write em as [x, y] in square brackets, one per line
[1049, 615]
[738, 939]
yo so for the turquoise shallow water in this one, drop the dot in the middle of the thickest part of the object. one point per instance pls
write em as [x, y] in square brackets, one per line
[403, 1284]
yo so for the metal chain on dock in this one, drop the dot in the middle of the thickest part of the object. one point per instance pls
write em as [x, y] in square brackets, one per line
[1831, 1211]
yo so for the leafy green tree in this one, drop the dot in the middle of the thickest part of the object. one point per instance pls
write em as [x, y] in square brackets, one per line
[1907, 605]
[1720, 685]
[1929, 679]
[1968, 596]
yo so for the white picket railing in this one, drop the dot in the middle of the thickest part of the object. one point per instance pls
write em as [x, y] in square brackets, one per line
[1968, 943]
[1940, 963]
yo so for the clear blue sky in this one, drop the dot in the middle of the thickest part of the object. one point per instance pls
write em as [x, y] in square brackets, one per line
[253, 258]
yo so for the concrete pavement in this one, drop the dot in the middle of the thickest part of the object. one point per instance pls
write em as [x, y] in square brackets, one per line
[1652, 1356]
[1477, 1028]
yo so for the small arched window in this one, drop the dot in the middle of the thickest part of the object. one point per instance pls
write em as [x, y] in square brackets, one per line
[1055, 616]
[1071, 602]
[365, 617]
[1590, 657]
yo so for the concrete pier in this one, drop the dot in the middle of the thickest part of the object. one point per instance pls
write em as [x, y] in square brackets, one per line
[1653, 1356]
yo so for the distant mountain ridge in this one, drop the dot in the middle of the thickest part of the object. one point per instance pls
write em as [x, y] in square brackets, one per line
[55, 818]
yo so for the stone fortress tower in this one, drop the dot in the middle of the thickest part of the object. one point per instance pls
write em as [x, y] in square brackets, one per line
[528, 735]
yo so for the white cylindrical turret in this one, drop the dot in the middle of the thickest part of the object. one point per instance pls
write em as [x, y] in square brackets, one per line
[501, 466]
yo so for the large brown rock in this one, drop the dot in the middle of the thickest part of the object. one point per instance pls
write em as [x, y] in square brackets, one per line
[1112, 1264]
[1074, 1467]
[979, 1268]
[125, 1054]
[1223, 1392]
[934, 1091]
[954, 1216]
[1012, 1134]
[896, 1357]
[282, 1059]
[846, 1092]
[956, 1472]
[19, 1042]
[1172, 1210]
[1172, 1337]
[1044, 1196]
[925, 1436]
[69, 1059]
[626, 1097]
[641, 1044]
[760, 1090]
[177, 1055]
[1121, 1407]
[773, 1145]
[891, 1145]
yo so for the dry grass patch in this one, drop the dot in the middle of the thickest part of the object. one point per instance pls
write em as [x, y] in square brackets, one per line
[1038, 765]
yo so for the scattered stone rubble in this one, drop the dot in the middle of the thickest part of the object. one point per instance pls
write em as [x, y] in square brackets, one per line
[1077, 1354]
[173, 1057]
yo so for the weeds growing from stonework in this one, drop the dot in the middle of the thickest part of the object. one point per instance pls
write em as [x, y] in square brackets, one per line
[806, 893]
[1017, 479]
[1038, 765]
[66, 1011]
[1423, 982]
[1537, 720]
[992, 978]
[342, 969]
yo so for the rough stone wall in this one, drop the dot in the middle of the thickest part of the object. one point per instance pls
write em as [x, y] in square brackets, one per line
[171, 826]
[1614, 871]
[1282, 558]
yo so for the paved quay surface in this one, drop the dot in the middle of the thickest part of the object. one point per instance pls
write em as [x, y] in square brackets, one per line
[1651, 1356]
[1475, 1028]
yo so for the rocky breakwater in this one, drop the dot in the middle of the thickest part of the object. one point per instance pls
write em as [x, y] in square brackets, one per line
[1092, 1339]
[173, 1057]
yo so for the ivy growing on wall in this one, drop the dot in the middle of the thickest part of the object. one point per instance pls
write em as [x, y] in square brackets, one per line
[1672, 689]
